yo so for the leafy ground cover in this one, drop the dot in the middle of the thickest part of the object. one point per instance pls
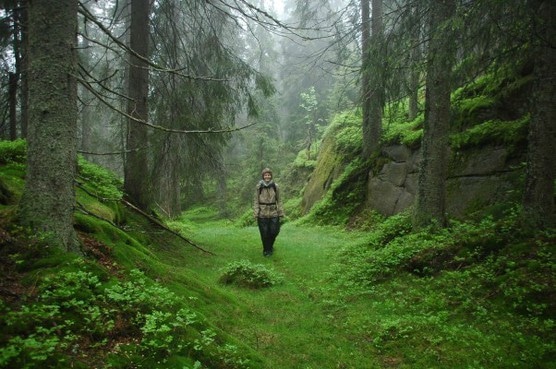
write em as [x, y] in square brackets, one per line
[469, 297]
[476, 295]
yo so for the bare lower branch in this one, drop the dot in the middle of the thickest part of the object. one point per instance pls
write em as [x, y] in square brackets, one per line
[86, 13]
[88, 86]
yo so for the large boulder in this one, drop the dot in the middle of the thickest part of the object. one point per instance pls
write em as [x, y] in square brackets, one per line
[477, 178]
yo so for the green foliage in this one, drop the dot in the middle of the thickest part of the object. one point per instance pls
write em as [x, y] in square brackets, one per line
[196, 214]
[405, 133]
[470, 105]
[491, 276]
[245, 274]
[498, 83]
[13, 152]
[306, 158]
[343, 198]
[347, 132]
[12, 170]
[100, 181]
[492, 131]
[246, 219]
[73, 305]
[489, 97]
[292, 208]
[37, 253]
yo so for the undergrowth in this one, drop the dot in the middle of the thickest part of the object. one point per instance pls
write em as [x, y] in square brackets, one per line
[131, 322]
[246, 274]
[61, 310]
[344, 197]
[476, 289]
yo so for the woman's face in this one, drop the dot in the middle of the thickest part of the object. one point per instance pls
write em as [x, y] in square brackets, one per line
[267, 177]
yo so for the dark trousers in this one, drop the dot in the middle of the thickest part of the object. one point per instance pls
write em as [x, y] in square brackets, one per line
[269, 229]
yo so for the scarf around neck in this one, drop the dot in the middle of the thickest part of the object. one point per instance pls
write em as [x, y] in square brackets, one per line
[264, 184]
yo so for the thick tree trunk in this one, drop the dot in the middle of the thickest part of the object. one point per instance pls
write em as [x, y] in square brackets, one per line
[48, 200]
[538, 199]
[431, 193]
[136, 164]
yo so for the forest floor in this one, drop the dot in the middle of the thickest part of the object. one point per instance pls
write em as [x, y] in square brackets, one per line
[318, 316]
[293, 324]
[455, 319]
[476, 295]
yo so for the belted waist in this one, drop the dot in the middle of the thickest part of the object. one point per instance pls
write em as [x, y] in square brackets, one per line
[267, 203]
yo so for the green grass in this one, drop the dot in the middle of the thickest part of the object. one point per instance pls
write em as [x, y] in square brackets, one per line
[473, 296]
[318, 318]
[476, 295]
[287, 323]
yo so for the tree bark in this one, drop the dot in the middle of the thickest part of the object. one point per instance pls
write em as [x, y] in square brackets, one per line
[136, 163]
[86, 115]
[48, 199]
[24, 67]
[431, 192]
[372, 81]
[167, 176]
[366, 76]
[415, 57]
[12, 92]
[538, 199]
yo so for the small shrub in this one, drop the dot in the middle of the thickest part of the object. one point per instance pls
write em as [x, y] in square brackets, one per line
[492, 131]
[346, 128]
[245, 274]
[404, 132]
[72, 308]
[306, 158]
[13, 152]
[100, 181]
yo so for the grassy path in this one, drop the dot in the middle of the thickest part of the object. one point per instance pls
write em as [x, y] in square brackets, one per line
[288, 324]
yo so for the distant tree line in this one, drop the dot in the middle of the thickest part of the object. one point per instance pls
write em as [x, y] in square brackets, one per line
[154, 90]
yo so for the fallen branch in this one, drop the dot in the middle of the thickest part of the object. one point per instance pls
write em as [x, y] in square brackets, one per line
[85, 211]
[136, 209]
[162, 225]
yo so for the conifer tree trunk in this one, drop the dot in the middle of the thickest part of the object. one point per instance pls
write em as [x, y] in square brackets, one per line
[538, 199]
[431, 192]
[12, 97]
[48, 199]
[366, 76]
[24, 66]
[166, 176]
[136, 164]
[415, 57]
[86, 117]
[372, 86]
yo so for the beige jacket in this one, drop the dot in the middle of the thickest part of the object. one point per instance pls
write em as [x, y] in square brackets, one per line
[267, 203]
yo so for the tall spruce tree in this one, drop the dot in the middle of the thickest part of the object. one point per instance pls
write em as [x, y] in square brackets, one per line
[431, 192]
[48, 199]
[372, 75]
[538, 199]
[135, 181]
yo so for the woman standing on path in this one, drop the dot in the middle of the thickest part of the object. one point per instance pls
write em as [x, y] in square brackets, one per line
[267, 209]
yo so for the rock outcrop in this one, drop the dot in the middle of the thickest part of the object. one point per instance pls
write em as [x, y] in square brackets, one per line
[478, 177]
